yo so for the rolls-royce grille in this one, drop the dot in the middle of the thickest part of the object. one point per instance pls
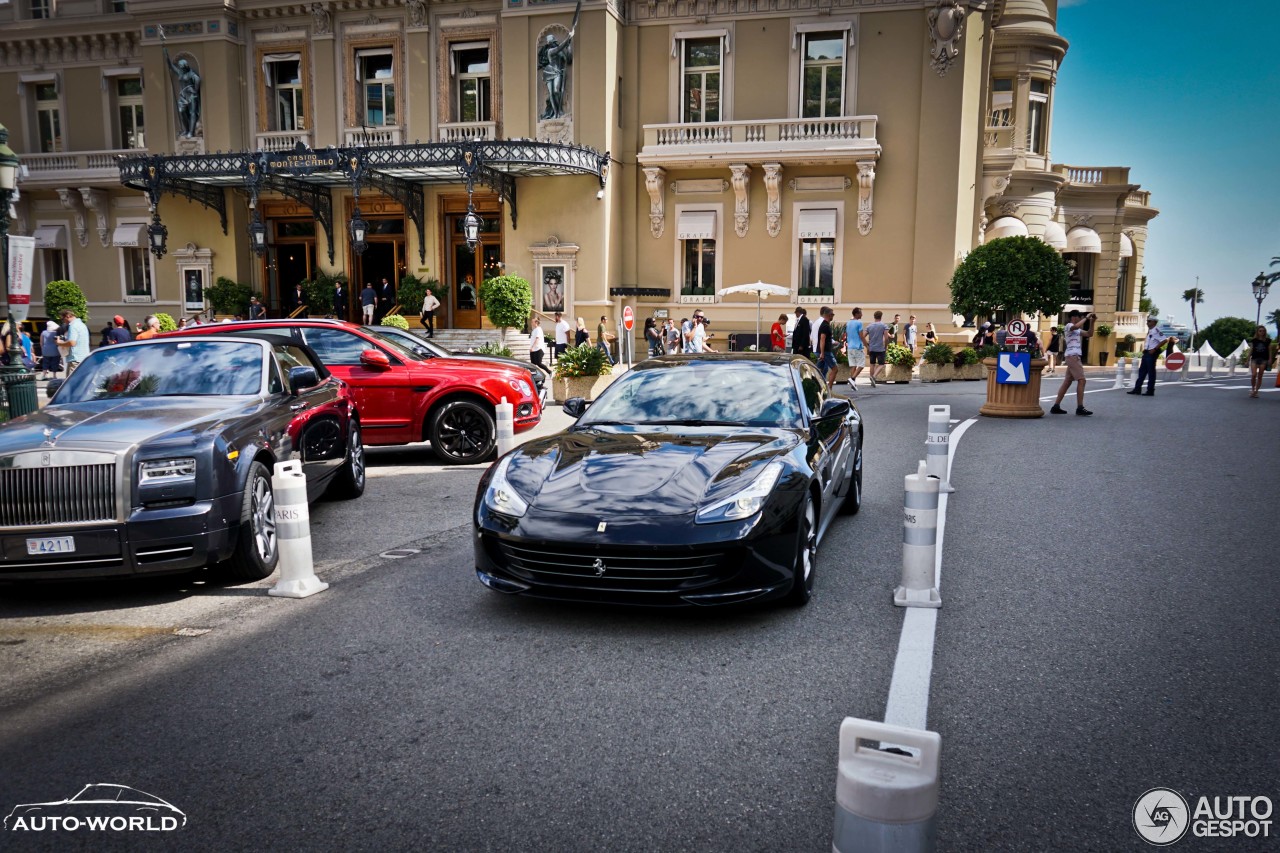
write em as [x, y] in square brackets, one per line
[562, 564]
[57, 495]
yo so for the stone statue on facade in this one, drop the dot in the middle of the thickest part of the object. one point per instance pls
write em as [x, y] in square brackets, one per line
[186, 90]
[554, 58]
[417, 13]
[321, 19]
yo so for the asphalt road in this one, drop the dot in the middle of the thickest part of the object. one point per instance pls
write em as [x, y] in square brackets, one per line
[1107, 627]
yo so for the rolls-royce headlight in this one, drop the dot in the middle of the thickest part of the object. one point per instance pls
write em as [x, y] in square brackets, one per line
[522, 387]
[500, 496]
[168, 469]
[745, 503]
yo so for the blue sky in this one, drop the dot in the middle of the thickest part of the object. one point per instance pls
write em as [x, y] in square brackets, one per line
[1188, 96]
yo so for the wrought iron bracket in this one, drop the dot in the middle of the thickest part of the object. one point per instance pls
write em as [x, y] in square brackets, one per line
[314, 197]
[411, 196]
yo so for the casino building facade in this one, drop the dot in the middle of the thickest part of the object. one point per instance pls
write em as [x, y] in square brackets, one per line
[617, 152]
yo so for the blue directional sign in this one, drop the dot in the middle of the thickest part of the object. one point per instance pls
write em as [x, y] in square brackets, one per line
[1013, 368]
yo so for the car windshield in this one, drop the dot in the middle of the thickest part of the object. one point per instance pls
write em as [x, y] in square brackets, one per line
[166, 368]
[691, 393]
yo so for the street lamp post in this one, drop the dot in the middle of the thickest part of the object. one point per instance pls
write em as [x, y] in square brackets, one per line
[1261, 287]
[19, 382]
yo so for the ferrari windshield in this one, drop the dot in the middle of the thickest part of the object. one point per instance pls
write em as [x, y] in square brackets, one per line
[167, 368]
[742, 393]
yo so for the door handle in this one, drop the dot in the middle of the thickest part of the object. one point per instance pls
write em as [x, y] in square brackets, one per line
[298, 407]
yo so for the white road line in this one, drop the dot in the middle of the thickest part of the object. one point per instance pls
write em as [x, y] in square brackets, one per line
[908, 703]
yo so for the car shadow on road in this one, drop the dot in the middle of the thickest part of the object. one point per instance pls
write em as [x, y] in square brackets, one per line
[70, 597]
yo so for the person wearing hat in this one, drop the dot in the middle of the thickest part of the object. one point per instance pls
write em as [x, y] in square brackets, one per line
[119, 331]
[1150, 354]
[50, 357]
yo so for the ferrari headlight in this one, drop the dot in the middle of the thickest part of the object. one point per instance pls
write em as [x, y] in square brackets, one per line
[500, 496]
[167, 469]
[522, 387]
[745, 503]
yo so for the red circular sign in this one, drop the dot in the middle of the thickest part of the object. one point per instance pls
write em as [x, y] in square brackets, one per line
[1174, 361]
[628, 318]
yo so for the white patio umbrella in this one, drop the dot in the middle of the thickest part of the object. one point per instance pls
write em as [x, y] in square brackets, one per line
[762, 291]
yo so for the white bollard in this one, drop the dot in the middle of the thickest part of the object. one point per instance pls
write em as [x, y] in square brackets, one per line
[506, 426]
[919, 587]
[937, 443]
[1208, 368]
[1231, 366]
[1186, 365]
[886, 802]
[293, 533]
[1119, 375]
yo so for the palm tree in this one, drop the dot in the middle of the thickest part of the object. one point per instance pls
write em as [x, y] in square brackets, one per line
[1274, 317]
[1195, 296]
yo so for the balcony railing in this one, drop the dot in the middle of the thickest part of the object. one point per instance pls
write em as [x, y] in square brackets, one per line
[468, 131]
[82, 166]
[283, 140]
[1093, 175]
[774, 137]
[371, 136]
[997, 137]
[1139, 198]
[1130, 323]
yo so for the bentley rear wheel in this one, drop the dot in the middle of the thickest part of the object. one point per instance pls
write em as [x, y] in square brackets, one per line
[463, 432]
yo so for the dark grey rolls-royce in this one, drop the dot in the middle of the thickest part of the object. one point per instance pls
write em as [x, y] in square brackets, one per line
[156, 456]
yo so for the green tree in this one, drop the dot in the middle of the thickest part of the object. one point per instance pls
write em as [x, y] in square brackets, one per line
[65, 294]
[1195, 296]
[413, 290]
[507, 299]
[167, 323]
[319, 291]
[228, 297]
[1224, 334]
[1274, 317]
[1145, 305]
[1021, 275]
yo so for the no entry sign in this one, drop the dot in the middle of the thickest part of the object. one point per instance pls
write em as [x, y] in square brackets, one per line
[1174, 361]
[628, 318]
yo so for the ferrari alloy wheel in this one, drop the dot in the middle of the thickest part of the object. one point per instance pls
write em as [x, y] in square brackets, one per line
[256, 551]
[463, 432]
[853, 497]
[806, 555]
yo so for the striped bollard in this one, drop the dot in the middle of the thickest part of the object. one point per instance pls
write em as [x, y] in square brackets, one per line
[293, 533]
[937, 444]
[1119, 375]
[919, 587]
[886, 799]
[506, 426]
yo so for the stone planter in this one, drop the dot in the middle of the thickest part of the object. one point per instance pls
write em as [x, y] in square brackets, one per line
[587, 387]
[897, 373]
[971, 372]
[1013, 401]
[937, 372]
[842, 373]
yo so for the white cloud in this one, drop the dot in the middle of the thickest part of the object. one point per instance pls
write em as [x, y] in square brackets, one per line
[1067, 4]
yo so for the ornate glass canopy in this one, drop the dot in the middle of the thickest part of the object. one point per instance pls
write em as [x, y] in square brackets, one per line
[308, 175]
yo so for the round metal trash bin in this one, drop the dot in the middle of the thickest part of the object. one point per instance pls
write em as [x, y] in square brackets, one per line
[19, 391]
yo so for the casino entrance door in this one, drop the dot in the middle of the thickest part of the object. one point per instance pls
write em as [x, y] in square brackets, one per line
[466, 269]
[384, 254]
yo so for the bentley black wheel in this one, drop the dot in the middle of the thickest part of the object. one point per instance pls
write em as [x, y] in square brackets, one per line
[463, 432]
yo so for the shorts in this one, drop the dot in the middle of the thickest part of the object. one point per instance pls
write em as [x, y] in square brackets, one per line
[877, 356]
[1260, 362]
[1075, 370]
[858, 357]
[826, 364]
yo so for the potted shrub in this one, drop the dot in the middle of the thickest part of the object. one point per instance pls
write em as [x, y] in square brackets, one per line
[228, 298]
[938, 363]
[899, 362]
[395, 321]
[969, 365]
[65, 294]
[582, 371]
[1104, 350]
[508, 300]
[167, 323]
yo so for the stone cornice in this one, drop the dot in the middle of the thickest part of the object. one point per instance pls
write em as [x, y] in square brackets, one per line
[69, 47]
[651, 11]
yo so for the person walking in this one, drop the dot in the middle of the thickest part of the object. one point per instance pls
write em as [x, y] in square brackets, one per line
[673, 337]
[150, 327]
[652, 337]
[339, 301]
[1259, 358]
[257, 311]
[855, 335]
[778, 334]
[604, 337]
[119, 331]
[826, 346]
[1051, 351]
[877, 344]
[700, 334]
[1150, 355]
[800, 335]
[429, 305]
[1074, 334]
[909, 334]
[76, 339]
[50, 358]
[580, 334]
[386, 300]
[537, 342]
[894, 332]
[368, 302]
[562, 335]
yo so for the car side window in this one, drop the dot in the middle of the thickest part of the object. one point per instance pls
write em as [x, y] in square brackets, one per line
[812, 388]
[336, 346]
[275, 382]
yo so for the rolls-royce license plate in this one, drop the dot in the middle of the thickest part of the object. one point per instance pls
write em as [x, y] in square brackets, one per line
[51, 545]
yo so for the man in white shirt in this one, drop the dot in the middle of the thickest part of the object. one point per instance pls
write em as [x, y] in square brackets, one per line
[909, 334]
[1150, 355]
[562, 335]
[1074, 334]
[537, 343]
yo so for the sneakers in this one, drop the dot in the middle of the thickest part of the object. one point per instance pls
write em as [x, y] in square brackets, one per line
[1082, 411]
[873, 380]
[1057, 410]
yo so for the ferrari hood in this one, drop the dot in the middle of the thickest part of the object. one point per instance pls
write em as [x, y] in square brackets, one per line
[633, 471]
